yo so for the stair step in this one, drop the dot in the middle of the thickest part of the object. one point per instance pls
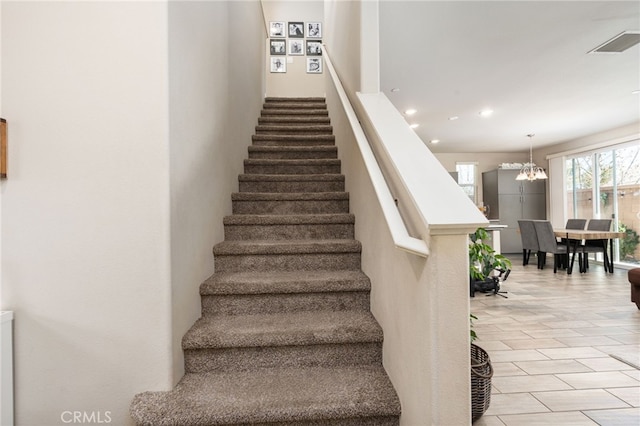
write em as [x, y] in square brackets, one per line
[296, 227]
[315, 129]
[287, 255]
[294, 119]
[232, 283]
[297, 112]
[292, 140]
[293, 152]
[256, 341]
[347, 396]
[263, 292]
[280, 167]
[289, 203]
[276, 99]
[291, 183]
[294, 105]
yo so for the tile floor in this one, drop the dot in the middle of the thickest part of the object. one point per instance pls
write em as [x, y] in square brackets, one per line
[555, 346]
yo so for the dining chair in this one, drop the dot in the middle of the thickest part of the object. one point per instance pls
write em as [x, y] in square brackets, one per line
[575, 224]
[529, 241]
[596, 246]
[549, 244]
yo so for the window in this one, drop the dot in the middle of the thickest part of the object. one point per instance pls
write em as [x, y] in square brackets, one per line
[467, 179]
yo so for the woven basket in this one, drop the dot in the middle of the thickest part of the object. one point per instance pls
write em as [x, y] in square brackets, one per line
[481, 372]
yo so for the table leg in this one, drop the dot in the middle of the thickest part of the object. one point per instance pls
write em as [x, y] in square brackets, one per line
[610, 242]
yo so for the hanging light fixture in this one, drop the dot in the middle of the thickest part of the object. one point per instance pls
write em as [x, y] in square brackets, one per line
[530, 171]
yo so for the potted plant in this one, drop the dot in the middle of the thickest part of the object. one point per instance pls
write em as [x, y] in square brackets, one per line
[481, 373]
[486, 267]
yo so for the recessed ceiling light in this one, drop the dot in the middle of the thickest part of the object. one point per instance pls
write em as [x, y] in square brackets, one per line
[395, 89]
[410, 111]
[486, 113]
[434, 141]
[453, 117]
[635, 92]
[414, 125]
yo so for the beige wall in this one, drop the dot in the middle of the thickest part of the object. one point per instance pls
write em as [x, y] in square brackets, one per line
[296, 81]
[215, 101]
[129, 123]
[85, 214]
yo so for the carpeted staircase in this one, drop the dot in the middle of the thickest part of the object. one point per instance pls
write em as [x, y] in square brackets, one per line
[286, 336]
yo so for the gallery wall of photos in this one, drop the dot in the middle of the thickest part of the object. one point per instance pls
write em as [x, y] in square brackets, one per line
[295, 39]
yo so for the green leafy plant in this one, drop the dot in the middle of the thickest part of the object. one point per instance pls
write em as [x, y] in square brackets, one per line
[472, 332]
[629, 242]
[483, 259]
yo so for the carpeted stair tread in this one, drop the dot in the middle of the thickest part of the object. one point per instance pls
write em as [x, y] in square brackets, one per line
[298, 112]
[280, 219]
[288, 149]
[283, 247]
[326, 177]
[294, 119]
[232, 283]
[282, 329]
[275, 99]
[294, 105]
[301, 139]
[312, 396]
[288, 196]
[300, 128]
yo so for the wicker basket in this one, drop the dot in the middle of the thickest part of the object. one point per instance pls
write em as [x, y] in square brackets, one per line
[481, 372]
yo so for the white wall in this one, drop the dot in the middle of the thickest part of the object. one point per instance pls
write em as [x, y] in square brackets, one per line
[296, 81]
[486, 161]
[216, 95]
[85, 213]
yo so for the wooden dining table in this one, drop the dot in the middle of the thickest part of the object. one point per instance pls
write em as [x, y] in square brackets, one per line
[573, 237]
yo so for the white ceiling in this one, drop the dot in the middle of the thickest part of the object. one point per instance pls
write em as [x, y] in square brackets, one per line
[527, 61]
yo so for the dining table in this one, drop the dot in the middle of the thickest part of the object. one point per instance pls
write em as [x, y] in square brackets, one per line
[574, 237]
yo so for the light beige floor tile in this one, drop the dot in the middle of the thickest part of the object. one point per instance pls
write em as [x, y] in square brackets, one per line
[552, 366]
[627, 339]
[488, 421]
[506, 369]
[515, 403]
[629, 395]
[602, 331]
[573, 353]
[571, 418]
[598, 380]
[578, 400]
[517, 355]
[604, 364]
[534, 343]
[588, 341]
[633, 373]
[502, 335]
[494, 345]
[553, 333]
[519, 384]
[568, 324]
[522, 326]
[622, 417]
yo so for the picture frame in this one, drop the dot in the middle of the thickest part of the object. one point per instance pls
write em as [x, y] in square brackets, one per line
[314, 47]
[278, 46]
[277, 29]
[313, 29]
[296, 47]
[314, 65]
[296, 29]
[278, 64]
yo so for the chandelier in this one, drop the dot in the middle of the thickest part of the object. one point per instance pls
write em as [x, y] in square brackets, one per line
[530, 171]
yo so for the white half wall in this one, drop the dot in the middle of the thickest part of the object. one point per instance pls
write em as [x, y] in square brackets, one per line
[85, 214]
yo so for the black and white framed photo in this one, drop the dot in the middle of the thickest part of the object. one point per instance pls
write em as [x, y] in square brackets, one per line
[296, 47]
[314, 65]
[313, 29]
[314, 47]
[296, 29]
[277, 29]
[278, 46]
[278, 64]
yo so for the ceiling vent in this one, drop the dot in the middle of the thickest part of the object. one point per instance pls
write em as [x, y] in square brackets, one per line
[619, 43]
